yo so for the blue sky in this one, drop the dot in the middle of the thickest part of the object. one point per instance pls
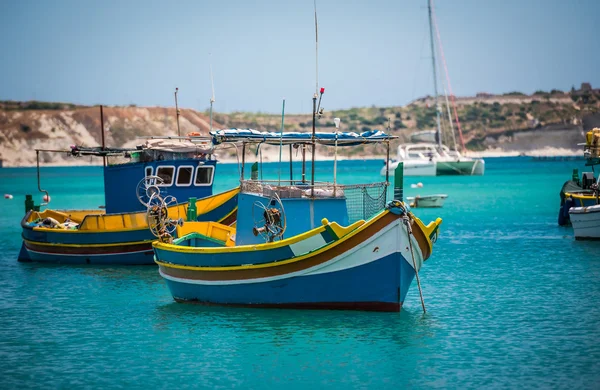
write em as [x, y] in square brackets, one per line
[370, 52]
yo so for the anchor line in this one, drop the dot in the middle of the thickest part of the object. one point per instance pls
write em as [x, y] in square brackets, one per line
[409, 232]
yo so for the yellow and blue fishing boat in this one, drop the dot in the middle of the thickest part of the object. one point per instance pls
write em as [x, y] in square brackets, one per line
[302, 244]
[581, 192]
[119, 234]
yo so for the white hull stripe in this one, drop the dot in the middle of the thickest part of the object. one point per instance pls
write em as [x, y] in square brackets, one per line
[392, 239]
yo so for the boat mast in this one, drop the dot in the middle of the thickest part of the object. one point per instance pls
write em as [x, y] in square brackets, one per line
[314, 120]
[438, 134]
[212, 97]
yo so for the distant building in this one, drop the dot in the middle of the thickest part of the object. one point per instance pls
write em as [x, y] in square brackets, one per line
[585, 90]
[484, 95]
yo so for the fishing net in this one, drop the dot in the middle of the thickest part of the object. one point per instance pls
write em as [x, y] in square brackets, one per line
[363, 201]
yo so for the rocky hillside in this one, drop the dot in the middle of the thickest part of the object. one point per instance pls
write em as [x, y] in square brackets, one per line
[509, 122]
[30, 125]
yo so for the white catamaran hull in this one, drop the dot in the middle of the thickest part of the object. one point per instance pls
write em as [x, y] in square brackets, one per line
[413, 168]
[586, 222]
[462, 167]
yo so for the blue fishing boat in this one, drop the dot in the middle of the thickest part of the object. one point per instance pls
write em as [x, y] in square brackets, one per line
[299, 243]
[182, 167]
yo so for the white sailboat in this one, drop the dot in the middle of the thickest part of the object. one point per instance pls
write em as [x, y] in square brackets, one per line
[424, 158]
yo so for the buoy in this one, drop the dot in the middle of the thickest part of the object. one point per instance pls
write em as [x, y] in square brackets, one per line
[46, 198]
[419, 184]
[413, 186]
[8, 196]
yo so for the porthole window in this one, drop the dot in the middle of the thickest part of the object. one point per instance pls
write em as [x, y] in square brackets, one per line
[184, 176]
[166, 173]
[204, 176]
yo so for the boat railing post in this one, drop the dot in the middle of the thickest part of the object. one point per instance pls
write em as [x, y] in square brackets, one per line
[336, 121]
[102, 133]
[177, 113]
[399, 182]
[312, 167]
[303, 163]
[281, 142]
[291, 168]
[243, 161]
[387, 161]
[46, 197]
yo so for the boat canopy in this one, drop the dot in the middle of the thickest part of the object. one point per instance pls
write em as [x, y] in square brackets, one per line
[286, 138]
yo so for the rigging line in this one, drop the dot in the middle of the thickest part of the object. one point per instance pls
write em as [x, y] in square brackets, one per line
[433, 66]
[417, 66]
[444, 81]
[452, 97]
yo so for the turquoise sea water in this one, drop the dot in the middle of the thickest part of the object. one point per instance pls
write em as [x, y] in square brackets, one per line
[513, 302]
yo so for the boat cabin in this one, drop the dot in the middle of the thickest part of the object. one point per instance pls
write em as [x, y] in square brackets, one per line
[301, 204]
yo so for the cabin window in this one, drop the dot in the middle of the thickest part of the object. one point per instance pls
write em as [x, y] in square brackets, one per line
[204, 176]
[148, 171]
[184, 176]
[166, 173]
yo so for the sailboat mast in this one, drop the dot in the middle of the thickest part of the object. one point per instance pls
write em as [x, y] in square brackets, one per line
[212, 97]
[438, 134]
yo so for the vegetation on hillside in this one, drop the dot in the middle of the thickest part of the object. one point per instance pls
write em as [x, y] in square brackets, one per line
[481, 117]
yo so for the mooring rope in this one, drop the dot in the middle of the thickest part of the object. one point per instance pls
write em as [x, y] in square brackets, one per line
[409, 232]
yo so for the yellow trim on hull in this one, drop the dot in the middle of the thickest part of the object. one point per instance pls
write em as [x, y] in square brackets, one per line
[246, 248]
[87, 245]
[125, 222]
[427, 230]
[339, 230]
[580, 198]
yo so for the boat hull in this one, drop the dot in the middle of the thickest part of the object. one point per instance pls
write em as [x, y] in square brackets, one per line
[380, 285]
[430, 201]
[463, 167]
[413, 168]
[113, 239]
[370, 268]
[586, 222]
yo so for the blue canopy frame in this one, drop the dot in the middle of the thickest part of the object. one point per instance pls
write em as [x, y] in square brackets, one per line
[287, 138]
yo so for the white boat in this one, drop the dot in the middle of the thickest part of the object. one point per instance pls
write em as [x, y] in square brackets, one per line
[448, 162]
[451, 162]
[415, 159]
[413, 168]
[429, 156]
[428, 159]
[586, 222]
[427, 200]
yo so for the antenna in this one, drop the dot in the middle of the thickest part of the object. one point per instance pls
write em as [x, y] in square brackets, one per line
[316, 50]
[212, 97]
